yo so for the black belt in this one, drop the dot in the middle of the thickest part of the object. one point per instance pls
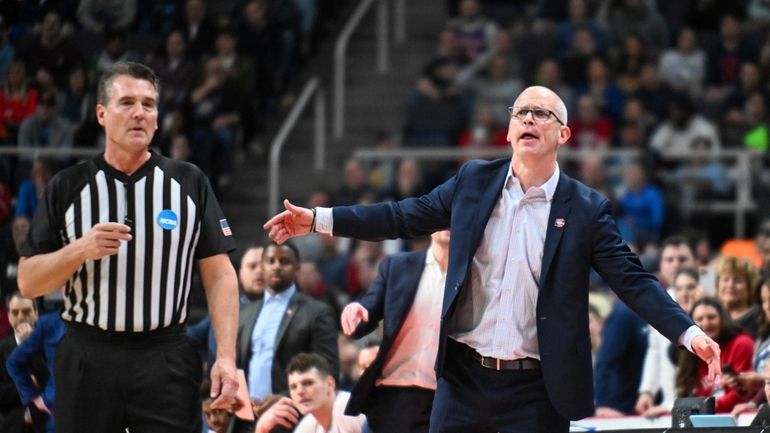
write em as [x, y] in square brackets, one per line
[501, 364]
[156, 336]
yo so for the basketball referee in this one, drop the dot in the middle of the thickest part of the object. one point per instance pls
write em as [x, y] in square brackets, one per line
[121, 232]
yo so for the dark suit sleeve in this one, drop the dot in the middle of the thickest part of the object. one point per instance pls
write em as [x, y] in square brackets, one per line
[636, 287]
[324, 337]
[408, 218]
[19, 363]
[374, 300]
[610, 366]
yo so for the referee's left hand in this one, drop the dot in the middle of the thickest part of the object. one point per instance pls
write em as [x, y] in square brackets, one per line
[224, 385]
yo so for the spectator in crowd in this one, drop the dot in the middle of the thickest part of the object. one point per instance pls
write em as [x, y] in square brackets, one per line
[628, 62]
[654, 93]
[50, 54]
[496, 87]
[100, 16]
[251, 275]
[175, 70]
[484, 131]
[682, 127]
[212, 113]
[703, 176]
[7, 49]
[115, 50]
[77, 98]
[574, 63]
[641, 18]
[724, 59]
[198, 28]
[683, 67]
[24, 360]
[30, 192]
[736, 283]
[310, 282]
[752, 381]
[751, 124]
[659, 370]
[355, 184]
[641, 206]
[475, 32]
[18, 100]
[407, 296]
[600, 85]
[22, 313]
[736, 349]
[579, 17]
[408, 182]
[258, 40]
[618, 367]
[46, 128]
[282, 324]
[590, 129]
[315, 403]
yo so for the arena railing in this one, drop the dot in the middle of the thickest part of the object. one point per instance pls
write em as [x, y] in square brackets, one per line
[738, 162]
[312, 89]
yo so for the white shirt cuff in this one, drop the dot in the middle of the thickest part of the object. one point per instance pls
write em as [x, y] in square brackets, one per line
[687, 336]
[324, 221]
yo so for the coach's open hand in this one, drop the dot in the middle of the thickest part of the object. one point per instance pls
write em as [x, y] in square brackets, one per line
[294, 221]
[708, 350]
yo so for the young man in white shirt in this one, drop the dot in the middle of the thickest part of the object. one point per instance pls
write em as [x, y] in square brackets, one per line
[313, 394]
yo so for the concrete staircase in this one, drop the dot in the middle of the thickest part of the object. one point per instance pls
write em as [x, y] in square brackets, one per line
[374, 102]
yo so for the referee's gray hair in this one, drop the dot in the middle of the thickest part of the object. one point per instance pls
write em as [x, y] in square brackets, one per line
[131, 69]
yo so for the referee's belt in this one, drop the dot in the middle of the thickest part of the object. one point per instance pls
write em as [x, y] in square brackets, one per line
[501, 364]
[93, 333]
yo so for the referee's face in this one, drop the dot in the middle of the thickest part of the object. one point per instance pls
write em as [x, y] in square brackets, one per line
[279, 265]
[130, 117]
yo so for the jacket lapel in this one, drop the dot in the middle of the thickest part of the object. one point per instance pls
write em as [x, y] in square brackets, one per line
[557, 223]
[291, 311]
[489, 194]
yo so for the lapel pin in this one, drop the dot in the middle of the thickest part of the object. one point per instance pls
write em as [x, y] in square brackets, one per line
[289, 311]
[559, 223]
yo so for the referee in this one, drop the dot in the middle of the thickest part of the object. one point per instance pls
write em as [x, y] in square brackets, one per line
[121, 232]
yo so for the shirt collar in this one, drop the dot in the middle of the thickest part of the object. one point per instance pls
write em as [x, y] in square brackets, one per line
[280, 297]
[549, 187]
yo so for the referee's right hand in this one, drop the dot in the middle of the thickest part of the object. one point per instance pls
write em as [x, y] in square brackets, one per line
[104, 240]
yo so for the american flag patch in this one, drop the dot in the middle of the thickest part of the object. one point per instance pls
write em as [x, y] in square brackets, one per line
[225, 227]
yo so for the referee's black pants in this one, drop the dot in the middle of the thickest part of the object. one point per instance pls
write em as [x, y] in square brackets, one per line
[107, 382]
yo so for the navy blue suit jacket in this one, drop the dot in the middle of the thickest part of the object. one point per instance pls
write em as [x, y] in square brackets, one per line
[389, 299]
[587, 238]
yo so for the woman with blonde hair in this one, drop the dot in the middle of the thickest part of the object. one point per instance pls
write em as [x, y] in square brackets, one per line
[736, 280]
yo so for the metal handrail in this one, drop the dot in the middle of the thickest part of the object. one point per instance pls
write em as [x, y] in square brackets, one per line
[340, 51]
[740, 206]
[311, 88]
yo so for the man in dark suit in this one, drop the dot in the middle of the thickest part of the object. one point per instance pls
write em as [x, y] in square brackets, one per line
[22, 315]
[407, 296]
[514, 352]
[282, 324]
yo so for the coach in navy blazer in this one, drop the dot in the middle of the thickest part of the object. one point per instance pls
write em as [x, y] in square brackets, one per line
[393, 294]
[580, 235]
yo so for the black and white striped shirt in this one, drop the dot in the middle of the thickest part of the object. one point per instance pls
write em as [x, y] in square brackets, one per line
[174, 218]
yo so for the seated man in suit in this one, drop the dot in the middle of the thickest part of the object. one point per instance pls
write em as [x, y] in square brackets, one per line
[407, 296]
[22, 313]
[314, 395]
[282, 324]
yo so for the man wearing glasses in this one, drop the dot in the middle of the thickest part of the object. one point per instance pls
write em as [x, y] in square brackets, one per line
[514, 352]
